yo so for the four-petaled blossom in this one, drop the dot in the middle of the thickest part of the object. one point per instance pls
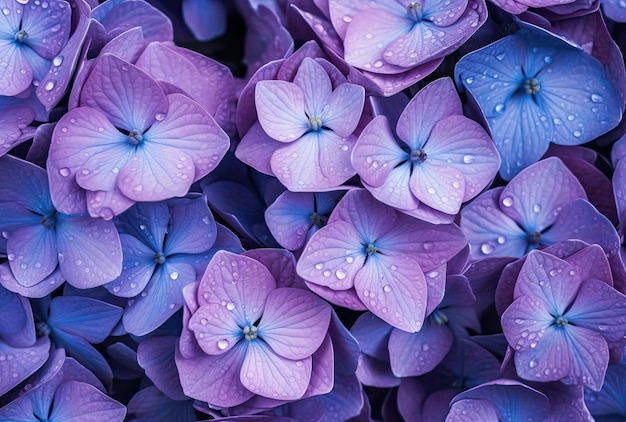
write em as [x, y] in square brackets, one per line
[441, 160]
[243, 336]
[377, 257]
[561, 325]
[43, 244]
[534, 88]
[129, 144]
[310, 123]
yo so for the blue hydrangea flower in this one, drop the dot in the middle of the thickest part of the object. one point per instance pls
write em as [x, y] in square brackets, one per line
[520, 86]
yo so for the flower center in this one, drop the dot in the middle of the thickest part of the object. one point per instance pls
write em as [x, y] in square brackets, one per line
[418, 156]
[21, 36]
[318, 219]
[250, 332]
[560, 321]
[135, 136]
[315, 123]
[43, 329]
[531, 86]
[48, 220]
[414, 10]
[159, 258]
[371, 249]
[534, 238]
[439, 317]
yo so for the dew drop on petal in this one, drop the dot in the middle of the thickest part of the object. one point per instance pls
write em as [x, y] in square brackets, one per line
[519, 320]
[174, 275]
[507, 202]
[230, 306]
[340, 274]
[532, 363]
[501, 240]
[57, 61]
[536, 208]
[49, 85]
[596, 98]
[64, 171]
[469, 158]
[319, 266]
[386, 288]
[223, 344]
[486, 248]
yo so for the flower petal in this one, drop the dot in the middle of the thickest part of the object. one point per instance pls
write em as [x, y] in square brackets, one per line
[393, 288]
[438, 185]
[12, 80]
[344, 108]
[276, 377]
[280, 107]
[137, 269]
[26, 360]
[215, 329]
[294, 322]
[90, 252]
[32, 253]
[89, 319]
[315, 85]
[191, 228]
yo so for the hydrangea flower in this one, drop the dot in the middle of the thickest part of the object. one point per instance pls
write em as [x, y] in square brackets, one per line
[63, 390]
[131, 144]
[310, 124]
[562, 322]
[378, 258]
[166, 245]
[295, 216]
[441, 160]
[388, 46]
[46, 246]
[244, 336]
[518, 85]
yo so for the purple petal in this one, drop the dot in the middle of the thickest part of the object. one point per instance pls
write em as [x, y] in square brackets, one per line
[375, 373]
[438, 185]
[24, 183]
[191, 228]
[90, 253]
[32, 253]
[12, 80]
[156, 356]
[205, 18]
[489, 230]
[280, 107]
[472, 410]
[150, 404]
[316, 87]
[393, 287]
[289, 218]
[319, 160]
[538, 193]
[345, 298]
[24, 362]
[241, 282]
[415, 131]
[525, 323]
[215, 329]
[84, 317]
[333, 256]
[138, 267]
[215, 379]
[48, 27]
[119, 16]
[413, 354]
[88, 404]
[256, 149]
[344, 109]
[39, 290]
[377, 155]
[17, 326]
[277, 377]
[294, 322]
[136, 102]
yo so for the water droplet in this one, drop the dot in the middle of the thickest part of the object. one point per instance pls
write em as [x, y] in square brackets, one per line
[173, 275]
[432, 190]
[499, 108]
[326, 273]
[22, 1]
[386, 288]
[223, 344]
[49, 86]
[469, 80]
[596, 98]
[57, 61]
[142, 227]
[347, 19]
[230, 306]
[319, 266]
[501, 240]
[532, 363]
[5, 11]
[486, 248]
[536, 208]
[577, 133]
[369, 36]
[519, 321]
[64, 171]
[547, 59]
[340, 274]
[469, 158]
[507, 202]
[206, 219]
[159, 117]
[428, 246]
[349, 259]
[603, 327]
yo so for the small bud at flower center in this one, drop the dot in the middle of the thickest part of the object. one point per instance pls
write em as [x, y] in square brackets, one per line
[315, 123]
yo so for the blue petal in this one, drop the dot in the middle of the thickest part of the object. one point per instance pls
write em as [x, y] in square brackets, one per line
[83, 317]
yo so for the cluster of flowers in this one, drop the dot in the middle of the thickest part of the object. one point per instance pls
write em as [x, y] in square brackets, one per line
[377, 210]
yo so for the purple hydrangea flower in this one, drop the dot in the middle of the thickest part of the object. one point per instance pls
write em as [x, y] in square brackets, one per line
[63, 390]
[442, 159]
[130, 144]
[295, 216]
[45, 246]
[244, 336]
[562, 322]
[166, 245]
[309, 125]
[377, 258]
[518, 85]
